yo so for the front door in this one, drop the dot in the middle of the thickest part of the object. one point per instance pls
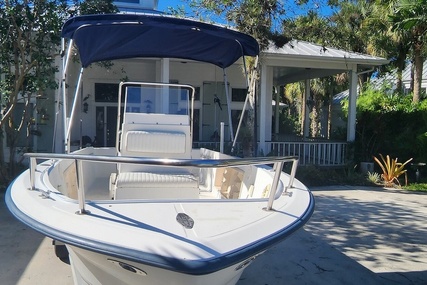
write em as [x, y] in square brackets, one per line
[106, 126]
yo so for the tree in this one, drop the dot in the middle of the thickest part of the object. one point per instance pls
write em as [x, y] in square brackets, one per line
[311, 27]
[410, 17]
[29, 33]
[348, 26]
[386, 42]
[87, 7]
[316, 28]
[30, 41]
[253, 17]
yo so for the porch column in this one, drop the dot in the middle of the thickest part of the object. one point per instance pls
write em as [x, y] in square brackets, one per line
[277, 112]
[164, 70]
[265, 109]
[306, 130]
[351, 121]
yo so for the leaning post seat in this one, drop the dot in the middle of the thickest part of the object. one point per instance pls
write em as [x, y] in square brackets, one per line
[151, 139]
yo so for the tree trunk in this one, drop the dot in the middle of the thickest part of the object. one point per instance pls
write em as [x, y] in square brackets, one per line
[249, 136]
[400, 64]
[418, 72]
[11, 140]
[331, 97]
[3, 167]
[303, 114]
[314, 130]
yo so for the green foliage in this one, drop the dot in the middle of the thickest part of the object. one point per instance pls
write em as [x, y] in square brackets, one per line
[390, 123]
[29, 44]
[289, 123]
[422, 187]
[311, 27]
[374, 178]
[254, 17]
[323, 176]
[391, 169]
[409, 17]
[87, 7]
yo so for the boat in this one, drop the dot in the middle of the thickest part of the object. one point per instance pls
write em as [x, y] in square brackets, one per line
[151, 209]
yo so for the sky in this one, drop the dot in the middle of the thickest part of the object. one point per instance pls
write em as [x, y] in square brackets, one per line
[164, 4]
[292, 9]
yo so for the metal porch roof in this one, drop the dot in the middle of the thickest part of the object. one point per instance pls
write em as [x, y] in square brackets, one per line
[298, 60]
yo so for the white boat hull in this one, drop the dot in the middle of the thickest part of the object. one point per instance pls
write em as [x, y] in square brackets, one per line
[142, 241]
[89, 267]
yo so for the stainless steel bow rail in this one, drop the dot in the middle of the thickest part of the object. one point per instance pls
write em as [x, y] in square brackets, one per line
[196, 163]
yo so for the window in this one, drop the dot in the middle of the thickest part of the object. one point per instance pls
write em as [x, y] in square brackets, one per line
[128, 1]
[238, 94]
[106, 92]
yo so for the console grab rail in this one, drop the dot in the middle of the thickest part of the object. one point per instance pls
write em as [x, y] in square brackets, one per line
[198, 163]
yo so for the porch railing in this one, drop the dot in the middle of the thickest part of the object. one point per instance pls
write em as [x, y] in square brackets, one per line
[322, 153]
[312, 153]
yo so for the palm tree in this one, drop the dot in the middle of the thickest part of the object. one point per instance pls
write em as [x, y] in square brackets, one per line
[350, 33]
[410, 17]
[385, 41]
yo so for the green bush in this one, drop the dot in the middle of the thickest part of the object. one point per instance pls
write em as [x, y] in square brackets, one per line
[323, 176]
[390, 123]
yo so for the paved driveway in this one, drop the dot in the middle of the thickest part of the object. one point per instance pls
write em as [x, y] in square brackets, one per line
[356, 236]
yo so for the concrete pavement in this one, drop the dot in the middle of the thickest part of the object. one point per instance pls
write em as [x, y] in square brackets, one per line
[355, 236]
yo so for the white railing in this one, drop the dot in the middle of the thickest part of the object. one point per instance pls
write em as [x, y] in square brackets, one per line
[312, 153]
[277, 162]
[321, 153]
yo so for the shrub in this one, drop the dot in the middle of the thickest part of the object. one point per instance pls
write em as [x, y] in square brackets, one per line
[391, 170]
[374, 178]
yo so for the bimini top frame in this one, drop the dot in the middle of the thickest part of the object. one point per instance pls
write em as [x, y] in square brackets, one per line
[121, 36]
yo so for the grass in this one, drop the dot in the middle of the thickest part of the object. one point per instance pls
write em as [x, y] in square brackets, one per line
[421, 187]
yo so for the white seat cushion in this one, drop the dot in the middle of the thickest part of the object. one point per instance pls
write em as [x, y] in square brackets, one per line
[153, 180]
[155, 142]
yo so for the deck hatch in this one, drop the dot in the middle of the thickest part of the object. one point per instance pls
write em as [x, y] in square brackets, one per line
[185, 220]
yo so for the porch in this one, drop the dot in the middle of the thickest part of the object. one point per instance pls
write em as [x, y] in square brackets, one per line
[310, 152]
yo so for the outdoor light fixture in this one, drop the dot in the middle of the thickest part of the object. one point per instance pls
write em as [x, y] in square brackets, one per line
[85, 107]
[85, 104]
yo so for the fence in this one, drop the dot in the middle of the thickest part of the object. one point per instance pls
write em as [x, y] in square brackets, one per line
[312, 153]
[309, 153]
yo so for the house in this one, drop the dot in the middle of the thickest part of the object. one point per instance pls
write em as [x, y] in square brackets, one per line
[390, 79]
[296, 61]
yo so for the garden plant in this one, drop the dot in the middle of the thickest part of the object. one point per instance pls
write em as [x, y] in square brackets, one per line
[392, 169]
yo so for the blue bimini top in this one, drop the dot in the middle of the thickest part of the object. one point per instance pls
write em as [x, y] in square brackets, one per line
[120, 36]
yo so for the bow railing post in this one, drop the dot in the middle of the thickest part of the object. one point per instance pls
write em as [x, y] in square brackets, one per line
[80, 188]
[292, 174]
[33, 166]
[277, 172]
